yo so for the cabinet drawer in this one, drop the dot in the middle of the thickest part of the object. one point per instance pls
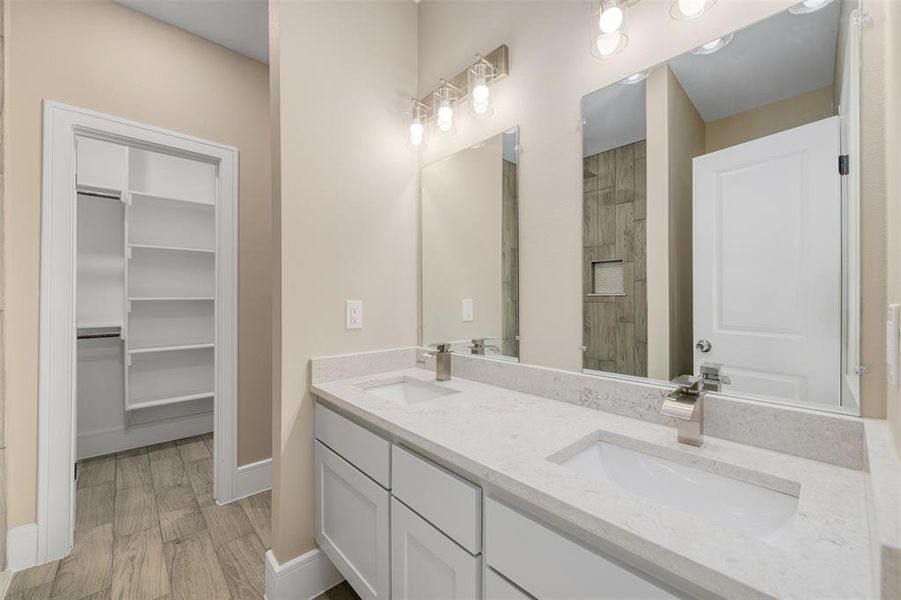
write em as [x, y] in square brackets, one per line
[548, 564]
[426, 564]
[498, 588]
[446, 500]
[365, 450]
[352, 524]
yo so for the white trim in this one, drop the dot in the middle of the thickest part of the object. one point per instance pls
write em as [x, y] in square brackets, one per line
[107, 441]
[301, 578]
[253, 478]
[56, 379]
[22, 547]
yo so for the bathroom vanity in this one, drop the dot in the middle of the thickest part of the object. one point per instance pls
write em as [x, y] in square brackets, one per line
[546, 485]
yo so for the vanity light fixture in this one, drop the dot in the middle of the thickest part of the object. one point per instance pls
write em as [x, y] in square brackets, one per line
[480, 75]
[636, 77]
[608, 31]
[418, 116]
[713, 45]
[684, 10]
[809, 6]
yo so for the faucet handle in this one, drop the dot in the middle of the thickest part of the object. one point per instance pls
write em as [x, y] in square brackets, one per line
[440, 347]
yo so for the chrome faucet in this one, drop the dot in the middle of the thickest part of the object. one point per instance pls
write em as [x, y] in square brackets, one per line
[686, 405]
[442, 354]
[479, 346]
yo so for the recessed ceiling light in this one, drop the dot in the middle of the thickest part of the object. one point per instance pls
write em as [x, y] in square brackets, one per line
[636, 78]
[713, 45]
[809, 6]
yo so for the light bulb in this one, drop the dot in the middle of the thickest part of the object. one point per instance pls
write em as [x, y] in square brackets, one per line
[416, 140]
[480, 93]
[611, 19]
[445, 113]
[691, 8]
[480, 108]
[445, 125]
[416, 129]
[608, 44]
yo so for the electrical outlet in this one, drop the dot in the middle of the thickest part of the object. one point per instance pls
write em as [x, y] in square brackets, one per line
[353, 314]
[468, 310]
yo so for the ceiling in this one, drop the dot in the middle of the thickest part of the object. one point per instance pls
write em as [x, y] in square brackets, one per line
[240, 25]
[780, 57]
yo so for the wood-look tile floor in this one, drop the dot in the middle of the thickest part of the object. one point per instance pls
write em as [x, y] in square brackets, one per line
[146, 528]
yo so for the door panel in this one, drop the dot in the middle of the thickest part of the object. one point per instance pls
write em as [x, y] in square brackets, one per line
[767, 263]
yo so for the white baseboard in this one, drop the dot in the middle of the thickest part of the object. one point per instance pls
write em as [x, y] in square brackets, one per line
[22, 547]
[98, 443]
[253, 478]
[301, 578]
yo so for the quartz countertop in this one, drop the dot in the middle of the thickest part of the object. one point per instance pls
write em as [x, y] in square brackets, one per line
[503, 439]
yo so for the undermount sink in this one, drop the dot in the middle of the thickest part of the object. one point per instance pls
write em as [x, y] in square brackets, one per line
[761, 512]
[406, 390]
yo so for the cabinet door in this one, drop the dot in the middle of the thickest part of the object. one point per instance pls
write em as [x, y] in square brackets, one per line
[352, 524]
[425, 563]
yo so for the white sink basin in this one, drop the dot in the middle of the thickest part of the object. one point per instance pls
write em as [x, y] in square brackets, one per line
[760, 512]
[406, 390]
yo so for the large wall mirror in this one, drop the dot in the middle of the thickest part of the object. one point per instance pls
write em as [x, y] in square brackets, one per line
[721, 214]
[470, 249]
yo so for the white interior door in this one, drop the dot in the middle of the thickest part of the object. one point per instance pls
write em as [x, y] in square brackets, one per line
[767, 264]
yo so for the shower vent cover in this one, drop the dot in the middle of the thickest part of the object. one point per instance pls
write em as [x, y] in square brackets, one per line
[607, 278]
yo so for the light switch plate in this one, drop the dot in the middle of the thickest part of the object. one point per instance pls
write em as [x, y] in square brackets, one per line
[468, 310]
[353, 314]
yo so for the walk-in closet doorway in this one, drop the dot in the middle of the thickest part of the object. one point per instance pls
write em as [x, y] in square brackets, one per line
[138, 315]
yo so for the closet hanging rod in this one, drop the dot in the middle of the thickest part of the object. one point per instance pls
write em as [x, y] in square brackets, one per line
[99, 195]
[95, 336]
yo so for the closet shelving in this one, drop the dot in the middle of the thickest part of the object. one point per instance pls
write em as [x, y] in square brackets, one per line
[167, 278]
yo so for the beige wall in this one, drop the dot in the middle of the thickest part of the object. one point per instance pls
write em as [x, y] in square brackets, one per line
[348, 214]
[461, 244]
[893, 155]
[102, 56]
[770, 118]
[675, 137]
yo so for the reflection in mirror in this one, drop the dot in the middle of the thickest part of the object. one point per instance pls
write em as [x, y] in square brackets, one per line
[470, 249]
[721, 228]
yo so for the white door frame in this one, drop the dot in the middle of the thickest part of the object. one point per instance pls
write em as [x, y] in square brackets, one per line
[57, 366]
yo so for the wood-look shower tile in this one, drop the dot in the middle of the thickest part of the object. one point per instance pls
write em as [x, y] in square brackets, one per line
[640, 195]
[88, 568]
[606, 222]
[94, 505]
[135, 510]
[225, 522]
[33, 577]
[641, 359]
[258, 509]
[93, 471]
[600, 331]
[641, 149]
[242, 564]
[624, 159]
[606, 169]
[163, 450]
[625, 305]
[625, 348]
[640, 250]
[590, 173]
[641, 311]
[194, 570]
[133, 471]
[139, 567]
[101, 595]
[625, 231]
[192, 449]
[590, 219]
[209, 440]
[200, 474]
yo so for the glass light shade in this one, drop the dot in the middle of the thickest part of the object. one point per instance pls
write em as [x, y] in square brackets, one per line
[416, 131]
[809, 6]
[684, 10]
[609, 24]
[480, 94]
[713, 45]
[443, 100]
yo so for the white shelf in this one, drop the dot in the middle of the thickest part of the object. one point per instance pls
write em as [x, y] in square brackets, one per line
[171, 248]
[90, 188]
[151, 349]
[151, 402]
[171, 298]
[147, 196]
[99, 324]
